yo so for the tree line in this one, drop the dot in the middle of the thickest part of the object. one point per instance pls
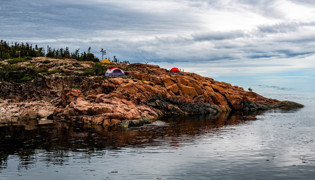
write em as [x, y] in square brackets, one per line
[22, 50]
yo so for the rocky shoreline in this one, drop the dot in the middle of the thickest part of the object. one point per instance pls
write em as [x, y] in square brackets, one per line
[147, 93]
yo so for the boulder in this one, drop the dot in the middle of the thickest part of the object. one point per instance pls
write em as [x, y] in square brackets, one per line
[188, 91]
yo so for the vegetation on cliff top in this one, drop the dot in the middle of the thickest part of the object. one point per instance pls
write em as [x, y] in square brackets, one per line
[22, 50]
[21, 70]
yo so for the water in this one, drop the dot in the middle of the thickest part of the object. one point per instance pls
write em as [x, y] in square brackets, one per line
[278, 145]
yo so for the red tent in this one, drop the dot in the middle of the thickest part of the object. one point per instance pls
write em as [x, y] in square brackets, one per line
[174, 69]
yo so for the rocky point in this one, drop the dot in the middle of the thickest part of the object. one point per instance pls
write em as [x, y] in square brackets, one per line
[64, 91]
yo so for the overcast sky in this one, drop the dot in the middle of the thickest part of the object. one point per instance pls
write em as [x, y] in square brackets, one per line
[227, 36]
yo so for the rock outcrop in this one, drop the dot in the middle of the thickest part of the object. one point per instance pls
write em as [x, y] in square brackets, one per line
[148, 92]
[11, 112]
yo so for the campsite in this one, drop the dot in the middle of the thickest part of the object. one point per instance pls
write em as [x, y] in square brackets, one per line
[157, 90]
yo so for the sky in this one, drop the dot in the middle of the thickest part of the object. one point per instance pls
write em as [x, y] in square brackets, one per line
[223, 38]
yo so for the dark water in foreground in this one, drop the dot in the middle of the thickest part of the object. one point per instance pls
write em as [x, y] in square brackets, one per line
[278, 145]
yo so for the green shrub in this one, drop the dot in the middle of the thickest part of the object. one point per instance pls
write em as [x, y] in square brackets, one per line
[88, 72]
[27, 58]
[17, 74]
[42, 69]
[99, 69]
[26, 78]
[55, 71]
[74, 86]
[77, 65]
[45, 62]
[16, 60]
[67, 73]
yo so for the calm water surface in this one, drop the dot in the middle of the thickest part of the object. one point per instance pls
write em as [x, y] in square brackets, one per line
[278, 145]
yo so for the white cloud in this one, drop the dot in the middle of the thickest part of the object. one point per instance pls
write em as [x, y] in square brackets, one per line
[295, 11]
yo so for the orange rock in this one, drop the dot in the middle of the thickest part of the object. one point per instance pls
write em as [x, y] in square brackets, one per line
[184, 81]
[168, 82]
[235, 101]
[219, 99]
[174, 88]
[188, 91]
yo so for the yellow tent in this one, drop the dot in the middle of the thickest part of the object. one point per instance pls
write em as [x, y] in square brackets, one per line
[106, 61]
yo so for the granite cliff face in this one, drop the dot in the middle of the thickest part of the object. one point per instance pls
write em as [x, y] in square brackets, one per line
[147, 93]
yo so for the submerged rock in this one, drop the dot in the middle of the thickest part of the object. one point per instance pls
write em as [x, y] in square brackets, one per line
[159, 123]
[135, 123]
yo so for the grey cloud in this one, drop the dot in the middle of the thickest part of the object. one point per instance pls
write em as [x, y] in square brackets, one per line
[208, 3]
[290, 53]
[266, 8]
[218, 36]
[284, 27]
[278, 28]
[68, 18]
[301, 40]
[304, 2]
[262, 55]
[263, 7]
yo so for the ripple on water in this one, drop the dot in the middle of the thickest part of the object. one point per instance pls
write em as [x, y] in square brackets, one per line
[278, 145]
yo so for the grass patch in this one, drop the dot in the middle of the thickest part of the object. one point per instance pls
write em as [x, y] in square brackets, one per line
[74, 86]
[17, 60]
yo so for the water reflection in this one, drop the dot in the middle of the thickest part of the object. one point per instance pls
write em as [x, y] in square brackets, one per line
[57, 140]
